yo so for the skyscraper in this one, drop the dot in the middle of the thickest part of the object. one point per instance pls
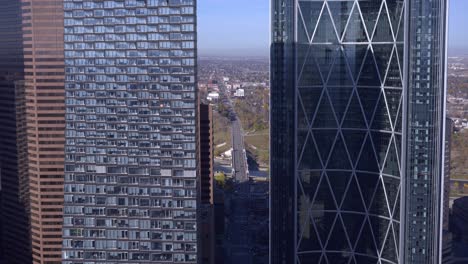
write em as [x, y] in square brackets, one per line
[14, 184]
[130, 169]
[32, 125]
[357, 131]
[15, 235]
[45, 109]
[205, 150]
[206, 223]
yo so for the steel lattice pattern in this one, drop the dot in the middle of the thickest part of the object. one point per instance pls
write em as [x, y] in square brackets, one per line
[349, 103]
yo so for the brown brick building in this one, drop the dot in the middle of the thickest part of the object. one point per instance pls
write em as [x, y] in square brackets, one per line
[32, 124]
[205, 167]
[206, 153]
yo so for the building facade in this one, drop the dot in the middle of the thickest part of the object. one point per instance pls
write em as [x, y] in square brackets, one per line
[45, 108]
[15, 236]
[33, 126]
[205, 152]
[130, 168]
[424, 131]
[357, 131]
[207, 232]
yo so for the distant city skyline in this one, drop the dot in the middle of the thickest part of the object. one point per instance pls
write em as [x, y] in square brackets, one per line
[241, 28]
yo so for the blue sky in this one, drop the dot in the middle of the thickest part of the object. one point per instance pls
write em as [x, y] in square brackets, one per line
[233, 27]
[241, 27]
[458, 24]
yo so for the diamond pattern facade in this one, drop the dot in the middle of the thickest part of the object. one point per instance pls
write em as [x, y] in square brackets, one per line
[357, 98]
[349, 101]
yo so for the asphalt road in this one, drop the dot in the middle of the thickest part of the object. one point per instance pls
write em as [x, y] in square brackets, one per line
[239, 245]
[239, 161]
[239, 157]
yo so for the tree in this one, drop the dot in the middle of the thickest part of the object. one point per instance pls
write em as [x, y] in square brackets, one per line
[220, 179]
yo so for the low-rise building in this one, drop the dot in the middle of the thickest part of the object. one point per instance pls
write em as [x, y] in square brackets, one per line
[239, 93]
[212, 96]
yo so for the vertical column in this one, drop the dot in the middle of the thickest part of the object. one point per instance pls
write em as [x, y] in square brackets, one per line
[282, 138]
[424, 130]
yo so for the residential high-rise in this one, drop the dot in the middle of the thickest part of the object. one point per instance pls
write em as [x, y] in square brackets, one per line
[32, 124]
[357, 131]
[130, 151]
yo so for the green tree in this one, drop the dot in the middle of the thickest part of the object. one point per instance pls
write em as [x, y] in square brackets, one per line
[220, 179]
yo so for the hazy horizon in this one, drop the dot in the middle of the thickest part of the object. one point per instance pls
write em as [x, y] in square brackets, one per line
[241, 28]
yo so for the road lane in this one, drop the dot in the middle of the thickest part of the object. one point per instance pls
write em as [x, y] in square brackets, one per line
[239, 162]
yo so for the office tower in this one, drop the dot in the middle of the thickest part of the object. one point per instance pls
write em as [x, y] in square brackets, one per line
[357, 125]
[130, 151]
[15, 240]
[32, 130]
[424, 131]
[207, 233]
[45, 108]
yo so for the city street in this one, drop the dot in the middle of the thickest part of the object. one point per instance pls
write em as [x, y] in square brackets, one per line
[239, 158]
[245, 237]
[247, 228]
[238, 235]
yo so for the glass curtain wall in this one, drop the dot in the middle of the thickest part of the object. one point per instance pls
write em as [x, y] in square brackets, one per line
[130, 169]
[425, 128]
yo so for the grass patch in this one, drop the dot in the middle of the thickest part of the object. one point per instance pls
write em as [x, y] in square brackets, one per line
[260, 140]
[253, 112]
[459, 155]
[259, 145]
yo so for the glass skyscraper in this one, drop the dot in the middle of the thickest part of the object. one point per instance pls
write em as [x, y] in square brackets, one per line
[130, 169]
[32, 123]
[357, 131]
[14, 194]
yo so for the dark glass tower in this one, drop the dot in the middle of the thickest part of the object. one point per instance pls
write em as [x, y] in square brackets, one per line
[15, 235]
[341, 106]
